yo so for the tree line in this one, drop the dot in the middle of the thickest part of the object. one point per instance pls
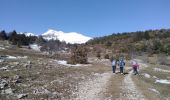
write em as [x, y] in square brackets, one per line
[18, 39]
[50, 46]
[151, 41]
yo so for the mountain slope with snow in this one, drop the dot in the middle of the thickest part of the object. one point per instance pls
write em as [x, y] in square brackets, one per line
[71, 37]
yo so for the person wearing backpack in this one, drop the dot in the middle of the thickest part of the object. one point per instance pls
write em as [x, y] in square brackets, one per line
[114, 65]
[121, 65]
[135, 67]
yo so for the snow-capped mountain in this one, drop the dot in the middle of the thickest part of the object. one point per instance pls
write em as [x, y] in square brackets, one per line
[71, 37]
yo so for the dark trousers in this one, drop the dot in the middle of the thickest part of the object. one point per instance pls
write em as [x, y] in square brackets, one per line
[114, 69]
[121, 69]
[135, 70]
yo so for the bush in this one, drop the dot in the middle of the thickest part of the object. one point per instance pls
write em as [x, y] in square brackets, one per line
[79, 56]
[98, 55]
[106, 56]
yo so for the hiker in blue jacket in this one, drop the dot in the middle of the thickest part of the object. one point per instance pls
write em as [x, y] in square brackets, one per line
[121, 65]
[114, 65]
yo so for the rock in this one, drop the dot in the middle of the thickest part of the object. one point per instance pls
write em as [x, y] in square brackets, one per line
[16, 63]
[20, 96]
[7, 91]
[154, 90]
[41, 90]
[16, 79]
[12, 66]
[27, 65]
[1, 60]
[3, 84]
[146, 75]
[155, 77]
[15, 69]
[29, 62]
[3, 68]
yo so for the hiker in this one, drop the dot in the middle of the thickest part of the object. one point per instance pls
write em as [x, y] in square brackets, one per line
[135, 67]
[121, 65]
[114, 65]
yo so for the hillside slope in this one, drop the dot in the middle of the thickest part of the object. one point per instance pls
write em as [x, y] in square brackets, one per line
[150, 41]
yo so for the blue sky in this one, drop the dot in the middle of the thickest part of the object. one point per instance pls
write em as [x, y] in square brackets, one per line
[90, 17]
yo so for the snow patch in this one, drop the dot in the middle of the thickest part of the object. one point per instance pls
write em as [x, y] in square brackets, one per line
[24, 57]
[11, 57]
[63, 62]
[154, 90]
[35, 47]
[163, 81]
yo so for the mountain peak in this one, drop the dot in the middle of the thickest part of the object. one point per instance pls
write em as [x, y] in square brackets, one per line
[70, 37]
[52, 32]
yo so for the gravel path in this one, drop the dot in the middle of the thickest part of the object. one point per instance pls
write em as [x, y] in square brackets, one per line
[93, 88]
[129, 90]
[96, 85]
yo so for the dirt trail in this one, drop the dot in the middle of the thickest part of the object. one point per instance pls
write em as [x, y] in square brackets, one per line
[94, 87]
[129, 89]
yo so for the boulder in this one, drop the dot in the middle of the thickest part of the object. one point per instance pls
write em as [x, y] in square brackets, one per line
[3, 83]
[3, 68]
[20, 96]
[16, 79]
[7, 91]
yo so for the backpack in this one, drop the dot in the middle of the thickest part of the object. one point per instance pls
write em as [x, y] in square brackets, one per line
[122, 63]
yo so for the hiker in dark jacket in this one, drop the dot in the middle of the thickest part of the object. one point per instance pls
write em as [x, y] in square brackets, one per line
[121, 65]
[114, 65]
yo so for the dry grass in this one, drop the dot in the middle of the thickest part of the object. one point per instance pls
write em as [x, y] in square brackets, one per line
[146, 83]
[55, 78]
[114, 88]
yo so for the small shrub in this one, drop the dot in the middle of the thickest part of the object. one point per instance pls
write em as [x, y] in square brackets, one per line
[79, 56]
[98, 55]
[106, 56]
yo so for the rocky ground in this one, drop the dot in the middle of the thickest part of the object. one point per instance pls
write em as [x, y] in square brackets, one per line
[32, 76]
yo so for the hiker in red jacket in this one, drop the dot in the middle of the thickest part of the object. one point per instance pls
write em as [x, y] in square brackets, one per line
[135, 67]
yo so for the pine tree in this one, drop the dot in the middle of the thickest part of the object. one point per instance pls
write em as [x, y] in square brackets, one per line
[3, 35]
